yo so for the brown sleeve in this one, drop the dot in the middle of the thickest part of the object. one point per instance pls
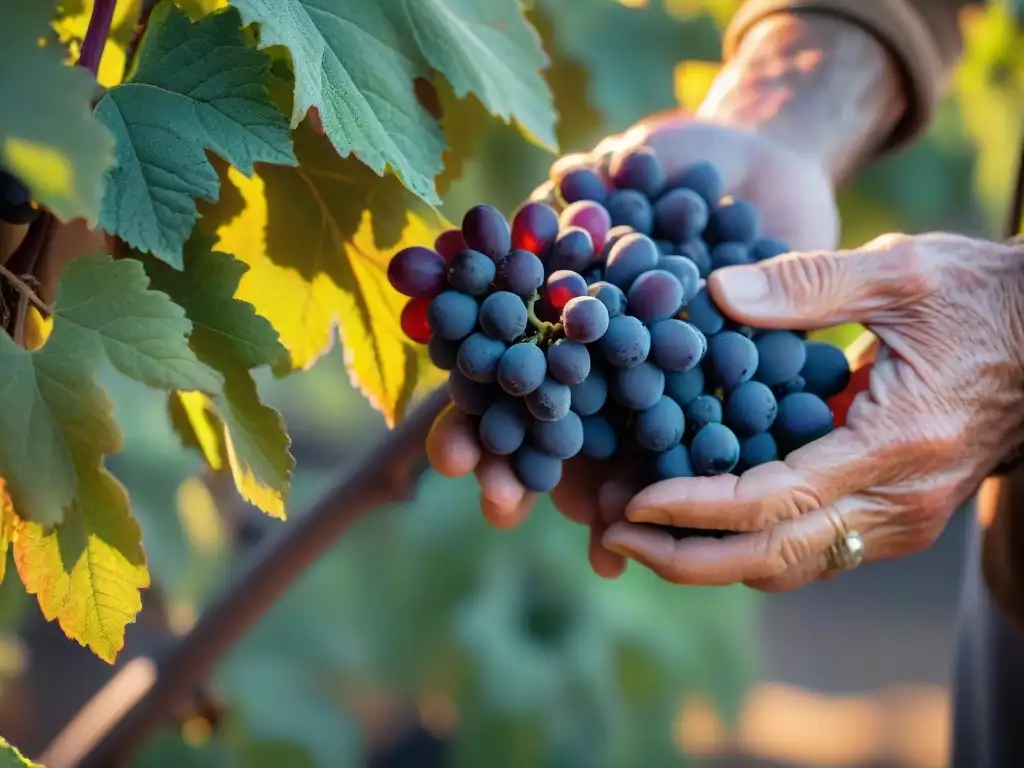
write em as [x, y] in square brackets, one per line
[923, 36]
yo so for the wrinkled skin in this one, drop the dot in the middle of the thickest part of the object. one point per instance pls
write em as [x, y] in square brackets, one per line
[797, 205]
[944, 404]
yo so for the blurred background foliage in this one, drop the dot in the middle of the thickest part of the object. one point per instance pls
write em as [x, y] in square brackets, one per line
[501, 643]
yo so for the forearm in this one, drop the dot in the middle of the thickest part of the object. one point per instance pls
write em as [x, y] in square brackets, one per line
[817, 84]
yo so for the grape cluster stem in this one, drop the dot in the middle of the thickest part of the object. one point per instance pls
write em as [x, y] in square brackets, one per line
[545, 330]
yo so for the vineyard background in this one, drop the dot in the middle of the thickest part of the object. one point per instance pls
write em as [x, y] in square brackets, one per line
[502, 642]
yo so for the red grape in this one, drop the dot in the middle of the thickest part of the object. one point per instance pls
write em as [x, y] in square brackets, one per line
[534, 228]
[414, 320]
[417, 272]
[564, 285]
[486, 230]
[449, 243]
[592, 217]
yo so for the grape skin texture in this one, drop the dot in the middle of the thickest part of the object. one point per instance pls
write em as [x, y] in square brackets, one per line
[781, 356]
[600, 440]
[581, 184]
[470, 397]
[631, 256]
[414, 320]
[550, 401]
[639, 388]
[611, 296]
[684, 387]
[521, 273]
[638, 169]
[568, 361]
[750, 408]
[479, 357]
[562, 439]
[736, 222]
[629, 208]
[715, 450]
[450, 242]
[703, 178]
[485, 230]
[704, 315]
[584, 319]
[680, 215]
[452, 315]
[731, 359]
[655, 295]
[443, 353]
[697, 252]
[802, 418]
[590, 216]
[471, 272]
[767, 248]
[534, 228]
[614, 235]
[572, 250]
[661, 426]
[626, 343]
[563, 285]
[503, 316]
[758, 449]
[685, 271]
[703, 410]
[676, 346]
[674, 462]
[502, 427]
[417, 272]
[537, 471]
[590, 395]
[826, 371]
[522, 369]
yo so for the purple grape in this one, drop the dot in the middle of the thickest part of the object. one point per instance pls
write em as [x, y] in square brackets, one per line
[521, 273]
[564, 285]
[638, 169]
[470, 397]
[584, 319]
[537, 471]
[680, 214]
[610, 295]
[639, 387]
[600, 440]
[452, 315]
[655, 295]
[573, 250]
[631, 256]
[730, 255]
[702, 312]
[703, 178]
[626, 343]
[685, 271]
[503, 316]
[534, 228]
[696, 250]
[522, 369]
[590, 395]
[568, 361]
[417, 272]
[734, 222]
[443, 353]
[581, 184]
[768, 248]
[562, 438]
[503, 426]
[676, 345]
[479, 357]
[487, 231]
[471, 272]
[550, 401]
[591, 216]
[630, 208]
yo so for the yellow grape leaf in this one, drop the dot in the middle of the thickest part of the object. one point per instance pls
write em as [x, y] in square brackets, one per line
[7, 522]
[317, 239]
[693, 81]
[86, 573]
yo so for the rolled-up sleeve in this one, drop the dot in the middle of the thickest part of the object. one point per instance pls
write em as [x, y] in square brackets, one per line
[922, 35]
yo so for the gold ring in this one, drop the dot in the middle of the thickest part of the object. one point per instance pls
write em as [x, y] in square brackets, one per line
[846, 552]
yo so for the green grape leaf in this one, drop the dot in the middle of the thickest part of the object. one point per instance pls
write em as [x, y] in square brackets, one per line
[55, 419]
[48, 136]
[196, 86]
[11, 757]
[317, 239]
[237, 429]
[357, 63]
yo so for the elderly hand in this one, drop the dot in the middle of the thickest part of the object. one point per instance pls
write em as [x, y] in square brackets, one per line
[944, 404]
[796, 203]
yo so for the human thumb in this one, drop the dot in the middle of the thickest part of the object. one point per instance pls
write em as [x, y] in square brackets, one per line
[805, 291]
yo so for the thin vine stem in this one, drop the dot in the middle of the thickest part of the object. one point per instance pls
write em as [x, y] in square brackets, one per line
[96, 35]
[25, 290]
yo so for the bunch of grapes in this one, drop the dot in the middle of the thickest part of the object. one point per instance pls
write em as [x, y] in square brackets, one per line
[15, 203]
[588, 330]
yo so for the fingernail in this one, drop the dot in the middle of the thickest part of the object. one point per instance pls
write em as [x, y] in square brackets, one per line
[649, 515]
[619, 549]
[742, 285]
